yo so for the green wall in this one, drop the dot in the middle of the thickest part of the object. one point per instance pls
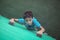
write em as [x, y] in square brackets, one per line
[46, 11]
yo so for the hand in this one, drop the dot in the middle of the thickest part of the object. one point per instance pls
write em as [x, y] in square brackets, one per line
[12, 20]
[40, 32]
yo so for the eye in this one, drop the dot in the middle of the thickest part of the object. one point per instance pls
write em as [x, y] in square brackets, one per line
[26, 20]
[30, 20]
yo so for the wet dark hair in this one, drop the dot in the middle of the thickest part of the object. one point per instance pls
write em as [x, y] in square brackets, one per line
[28, 14]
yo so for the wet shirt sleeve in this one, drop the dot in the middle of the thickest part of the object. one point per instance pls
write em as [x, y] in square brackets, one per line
[21, 20]
[36, 23]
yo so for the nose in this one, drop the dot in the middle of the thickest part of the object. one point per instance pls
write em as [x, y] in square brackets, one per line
[29, 23]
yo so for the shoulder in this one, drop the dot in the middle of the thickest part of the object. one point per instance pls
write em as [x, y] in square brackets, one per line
[36, 22]
[34, 19]
[21, 20]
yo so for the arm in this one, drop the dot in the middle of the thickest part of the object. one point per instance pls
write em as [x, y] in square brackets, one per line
[41, 31]
[38, 25]
[12, 20]
[20, 20]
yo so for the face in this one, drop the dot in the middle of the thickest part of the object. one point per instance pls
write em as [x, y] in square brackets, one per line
[28, 21]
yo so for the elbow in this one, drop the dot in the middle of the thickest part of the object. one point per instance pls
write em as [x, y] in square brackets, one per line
[43, 29]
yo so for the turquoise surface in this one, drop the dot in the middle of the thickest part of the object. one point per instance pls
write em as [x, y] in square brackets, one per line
[18, 32]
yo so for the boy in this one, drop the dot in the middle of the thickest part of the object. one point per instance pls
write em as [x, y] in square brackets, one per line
[30, 22]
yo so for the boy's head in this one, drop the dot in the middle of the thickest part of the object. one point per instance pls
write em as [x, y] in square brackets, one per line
[28, 16]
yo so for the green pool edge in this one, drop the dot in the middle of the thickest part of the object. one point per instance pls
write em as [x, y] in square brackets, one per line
[18, 32]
